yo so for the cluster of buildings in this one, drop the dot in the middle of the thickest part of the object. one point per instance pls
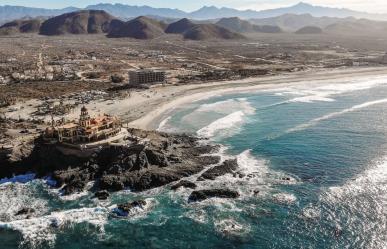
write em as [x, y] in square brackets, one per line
[87, 130]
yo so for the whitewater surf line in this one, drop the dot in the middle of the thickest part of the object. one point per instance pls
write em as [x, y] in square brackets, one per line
[334, 114]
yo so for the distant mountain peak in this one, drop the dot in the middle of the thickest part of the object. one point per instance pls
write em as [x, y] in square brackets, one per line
[8, 13]
[303, 4]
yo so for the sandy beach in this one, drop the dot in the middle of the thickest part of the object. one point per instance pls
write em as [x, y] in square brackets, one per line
[167, 98]
[146, 109]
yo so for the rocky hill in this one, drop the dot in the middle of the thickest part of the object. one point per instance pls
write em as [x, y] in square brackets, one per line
[202, 31]
[210, 32]
[309, 30]
[235, 24]
[21, 26]
[80, 22]
[139, 28]
[180, 26]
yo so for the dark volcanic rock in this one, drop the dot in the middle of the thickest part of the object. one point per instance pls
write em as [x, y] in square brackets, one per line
[227, 167]
[201, 195]
[185, 184]
[126, 208]
[111, 183]
[25, 211]
[126, 158]
[75, 186]
[157, 158]
[150, 160]
[102, 195]
[74, 180]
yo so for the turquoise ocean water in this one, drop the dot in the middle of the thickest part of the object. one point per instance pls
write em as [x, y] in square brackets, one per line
[314, 156]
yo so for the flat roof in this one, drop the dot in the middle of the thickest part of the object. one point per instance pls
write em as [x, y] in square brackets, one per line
[68, 126]
[148, 71]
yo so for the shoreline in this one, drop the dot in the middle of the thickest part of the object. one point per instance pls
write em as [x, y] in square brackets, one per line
[185, 94]
[146, 109]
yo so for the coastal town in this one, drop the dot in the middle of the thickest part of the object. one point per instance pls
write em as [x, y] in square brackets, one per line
[122, 130]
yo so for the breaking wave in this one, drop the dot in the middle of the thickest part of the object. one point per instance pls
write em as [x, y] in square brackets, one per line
[225, 106]
[335, 114]
[39, 230]
[163, 124]
[326, 92]
[223, 124]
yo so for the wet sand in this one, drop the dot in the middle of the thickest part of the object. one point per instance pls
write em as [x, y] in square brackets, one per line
[158, 108]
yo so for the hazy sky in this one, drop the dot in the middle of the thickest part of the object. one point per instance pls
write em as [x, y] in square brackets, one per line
[377, 6]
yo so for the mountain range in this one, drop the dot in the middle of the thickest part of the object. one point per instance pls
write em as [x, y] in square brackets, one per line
[8, 13]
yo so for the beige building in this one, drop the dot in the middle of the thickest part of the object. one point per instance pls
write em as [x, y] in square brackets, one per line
[87, 129]
[146, 76]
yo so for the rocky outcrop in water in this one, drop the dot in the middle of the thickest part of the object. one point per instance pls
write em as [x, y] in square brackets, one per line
[25, 211]
[184, 184]
[126, 208]
[202, 195]
[102, 195]
[227, 167]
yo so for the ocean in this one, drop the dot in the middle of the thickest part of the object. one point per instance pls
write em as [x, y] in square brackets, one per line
[314, 160]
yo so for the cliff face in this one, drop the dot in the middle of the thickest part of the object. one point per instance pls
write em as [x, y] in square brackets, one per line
[149, 160]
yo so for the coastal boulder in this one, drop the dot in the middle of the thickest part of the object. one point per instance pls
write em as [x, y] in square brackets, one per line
[227, 167]
[75, 186]
[201, 195]
[153, 179]
[184, 184]
[102, 195]
[126, 208]
[25, 211]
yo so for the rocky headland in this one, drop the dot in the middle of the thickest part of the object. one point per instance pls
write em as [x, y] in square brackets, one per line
[146, 160]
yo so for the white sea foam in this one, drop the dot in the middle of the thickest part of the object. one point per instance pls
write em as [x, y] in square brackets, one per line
[326, 92]
[163, 124]
[225, 106]
[253, 178]
[37, 230]
[208, 113]
[335, 114]
[231, 227]
[137, 212]
[311, 98]
[285, 198]
[224, 124]
[248, 164]
[198, 215]
[16, 196]
[311, 213]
